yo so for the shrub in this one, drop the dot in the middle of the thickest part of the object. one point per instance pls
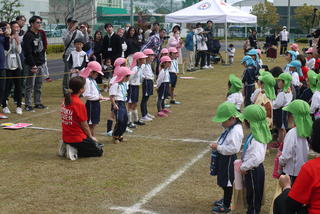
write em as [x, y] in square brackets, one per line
[301, 40]
[57, 48]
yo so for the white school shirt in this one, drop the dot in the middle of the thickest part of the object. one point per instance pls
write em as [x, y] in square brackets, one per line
[91, 91]
[174, 66]
[255, 94]
[294, 153]
[254, 155]
[233, 141]
[231, 51]
[315, 102]
[136, 77]
[295, 79]
[163, 76]
[310, 63]
[283, 99]
[119, 91]
[236, 98]
[77, 58]
[147, 72]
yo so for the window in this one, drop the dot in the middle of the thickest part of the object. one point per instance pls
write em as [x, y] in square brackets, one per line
[110, 3]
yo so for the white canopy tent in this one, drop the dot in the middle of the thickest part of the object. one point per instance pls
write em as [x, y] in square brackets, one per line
[214, 10]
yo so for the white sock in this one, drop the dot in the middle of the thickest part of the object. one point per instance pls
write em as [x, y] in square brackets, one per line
[130, 116]
[135, 115]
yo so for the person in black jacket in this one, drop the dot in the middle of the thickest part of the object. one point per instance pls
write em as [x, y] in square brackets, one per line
[112, 46]
[210, 42]
[253, 40]
[132, 42]
[34, 52]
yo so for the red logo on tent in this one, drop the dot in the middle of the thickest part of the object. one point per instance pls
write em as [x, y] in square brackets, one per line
[204, 6]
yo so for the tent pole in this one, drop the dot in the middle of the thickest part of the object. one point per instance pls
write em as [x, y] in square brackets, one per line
[226, 40]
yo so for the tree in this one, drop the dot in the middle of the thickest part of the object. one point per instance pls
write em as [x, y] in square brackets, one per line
[10, 9]
[304, 17]
[187, 3]
[267, 15]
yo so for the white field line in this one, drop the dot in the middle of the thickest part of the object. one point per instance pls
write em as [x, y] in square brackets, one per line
[23, 119]
[137, 206]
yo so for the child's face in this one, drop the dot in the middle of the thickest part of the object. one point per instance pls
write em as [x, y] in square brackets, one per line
[292, 68]
[253, 57]
[280, 84]
[175, 55]
[108, 62]
[94, 75]
[126, 78]
[141, 61]
[78, 46]
[228, 123]
[150, 58]
[167, 65]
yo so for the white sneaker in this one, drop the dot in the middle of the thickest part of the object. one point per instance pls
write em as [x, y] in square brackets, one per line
[129, 130]
[62, 149]
[205, 67]
[151, 116]
[6, 110]
[210, 66]
[72, 153]
[19, 111]
[109, 133]
[146, 118]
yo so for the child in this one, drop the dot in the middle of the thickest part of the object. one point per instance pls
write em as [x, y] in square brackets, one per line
[108, 69]
[284, 97]
[147, 85]
[307, 94]
[290, 56]
[315, 102]
[234, 94]
[295, 47]
[295, 147]
[253, 155]
[295, 71]
[76, 135]
[92, 93]
[118, 97]
[226, 149]
[304, 69]
[311, 61]
[163, 85]
[249, 77]
[174, 70]
[137, 66]
[163, 52]
[231, 52]
[254, 54]
[77, 59]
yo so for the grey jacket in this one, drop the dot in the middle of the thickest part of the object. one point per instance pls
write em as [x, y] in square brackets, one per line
[67, 36]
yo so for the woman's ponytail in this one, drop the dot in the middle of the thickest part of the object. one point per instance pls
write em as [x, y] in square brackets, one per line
[75, 85]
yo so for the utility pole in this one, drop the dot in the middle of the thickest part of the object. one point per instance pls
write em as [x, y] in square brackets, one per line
[73, 8]
[289, 14]
[131, 13]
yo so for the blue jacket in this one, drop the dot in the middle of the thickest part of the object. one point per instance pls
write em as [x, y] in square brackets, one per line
[189, 45]
[4, 46]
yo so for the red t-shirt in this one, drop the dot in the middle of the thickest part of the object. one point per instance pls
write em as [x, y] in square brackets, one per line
[71, 117]
[305, 70]
[306, 188]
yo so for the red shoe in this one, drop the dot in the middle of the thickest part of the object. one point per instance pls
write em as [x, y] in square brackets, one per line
[162, 114]
[166, 111]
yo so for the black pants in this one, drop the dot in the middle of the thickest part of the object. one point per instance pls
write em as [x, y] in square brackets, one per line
[88, 148]
[121, 119]
[227, 196]
[283, 47]
[17, 87]
[2, 84]
[248, 90]
[254, 181]
[201, 55]
[144, 105]
[208, 56]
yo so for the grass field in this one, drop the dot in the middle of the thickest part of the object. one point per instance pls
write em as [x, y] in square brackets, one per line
[35, 180]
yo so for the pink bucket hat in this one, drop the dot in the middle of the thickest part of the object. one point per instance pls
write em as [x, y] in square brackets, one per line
[172, 50]
[310, 50]
[259, 51]
[136, 56]
[122, 72]
[148, 52]
[119, 61]
[92, 66]
[294, 46]
[164, 51]
[165, 59]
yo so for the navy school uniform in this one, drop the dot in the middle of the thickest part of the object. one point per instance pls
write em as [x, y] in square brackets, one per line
[134, 84]
[92, 95]
[147, 88]
[174, 70]
[248, 79]
[163, 87]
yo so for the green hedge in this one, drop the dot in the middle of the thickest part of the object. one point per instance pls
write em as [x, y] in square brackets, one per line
[301, 40]
[55, 49]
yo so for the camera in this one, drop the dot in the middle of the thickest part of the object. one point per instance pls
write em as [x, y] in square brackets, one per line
[4, 29]
[166, 37]
[315, 34]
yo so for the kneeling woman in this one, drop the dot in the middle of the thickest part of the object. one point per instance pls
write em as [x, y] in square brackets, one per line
[76, 135]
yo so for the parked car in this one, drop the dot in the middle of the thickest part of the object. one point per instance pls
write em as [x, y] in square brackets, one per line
[54, 30]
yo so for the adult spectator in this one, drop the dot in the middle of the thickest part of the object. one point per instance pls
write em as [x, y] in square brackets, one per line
[68, 37]
[147, 32]
[284, 40]
[272, 46]
[174, 29]
[210, 42]
[34, 52]
[98, 46]
[4, 46]
[155, 42]
[253, 40]
[13, 69]
[112, 45]
[201, 46]
[140, 35]
[305, 193]
[124, 45]
[189, 45]
[176, 42]
[132, 42]
[21, 20]
[88, 45]
[155, 28]
[127, 28]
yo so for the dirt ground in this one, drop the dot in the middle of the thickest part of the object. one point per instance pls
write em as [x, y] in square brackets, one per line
[35, 180]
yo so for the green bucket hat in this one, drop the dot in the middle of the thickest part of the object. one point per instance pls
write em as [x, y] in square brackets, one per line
[236, 84]
[287, 78]
[269, 82]
[312, 77]
[301, 115]
[256, 115]
[225, 111]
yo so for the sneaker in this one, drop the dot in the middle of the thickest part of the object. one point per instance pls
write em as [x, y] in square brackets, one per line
[62, 149]
[71, 152]
[175, 102]
[29, 108]
[218, 202]
[128, 130]
[6, 110]
[167, 106]
[221, 209]
[162, 114]
[40, 106]
[2, 116]
[146, 118]
[210, 66]
[150, 116]
[108, 133]
[139, 123]
[132, 126]
[122, 139]
[166, 111]
[116, 141]
[205, 67]
[19, 110]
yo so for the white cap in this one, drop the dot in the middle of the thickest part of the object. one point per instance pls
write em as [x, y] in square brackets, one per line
[284, 27]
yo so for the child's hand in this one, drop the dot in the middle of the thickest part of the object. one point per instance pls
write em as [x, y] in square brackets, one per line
[94, 139]
[214, 146]
[243, 172]
[284, 181]
[115, 107]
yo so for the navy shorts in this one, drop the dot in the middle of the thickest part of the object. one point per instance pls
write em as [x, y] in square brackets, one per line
[163, 91]
[93, 112]
[133, 94]
[147, 87]
[173, 79]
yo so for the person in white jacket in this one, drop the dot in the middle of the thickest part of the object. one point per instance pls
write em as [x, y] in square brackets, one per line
[200, 47]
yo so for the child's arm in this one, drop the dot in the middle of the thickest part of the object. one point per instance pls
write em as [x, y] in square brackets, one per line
[234, 143]
[279, 102]
[254, 156]
[113, 102]
[85, 127]
[287, 150]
